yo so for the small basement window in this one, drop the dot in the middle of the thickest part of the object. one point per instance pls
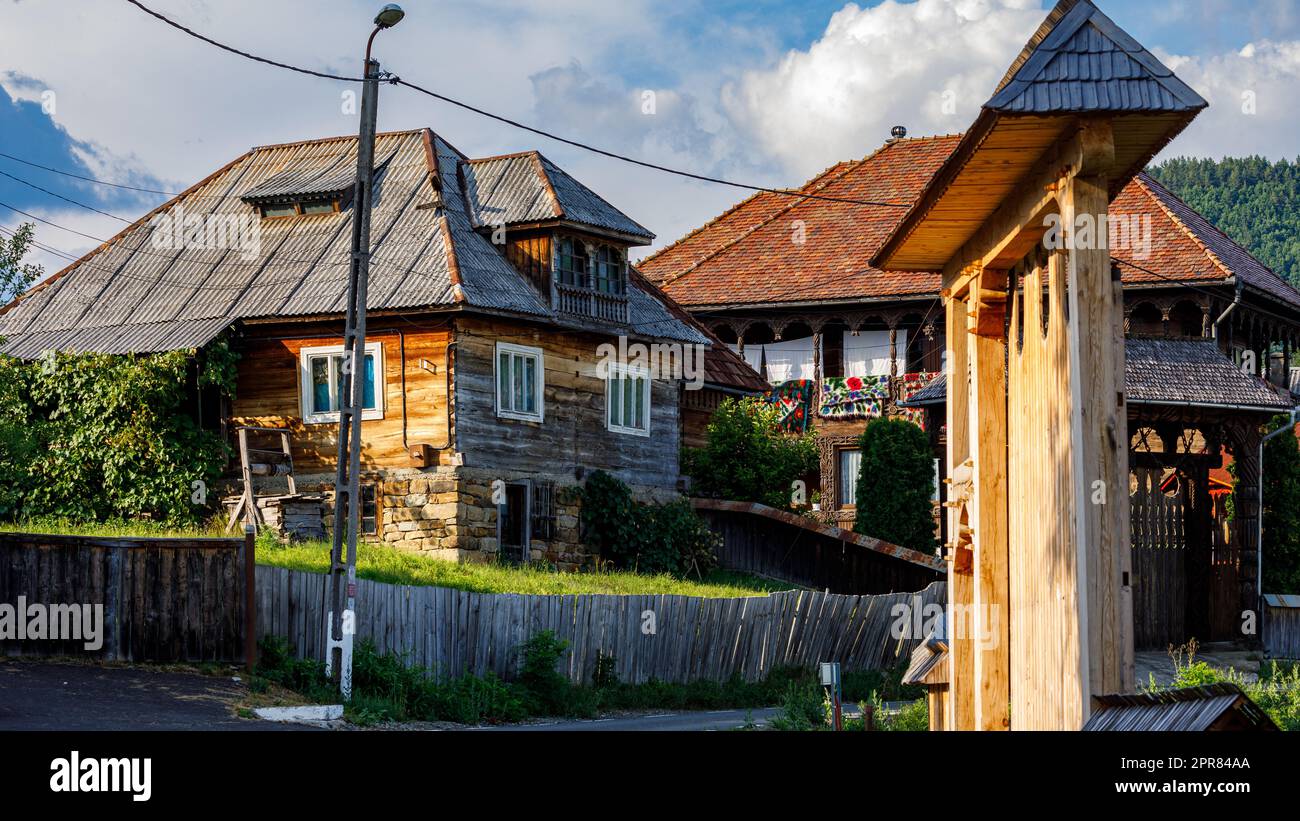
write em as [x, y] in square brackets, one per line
[321, 377]
[370, 509]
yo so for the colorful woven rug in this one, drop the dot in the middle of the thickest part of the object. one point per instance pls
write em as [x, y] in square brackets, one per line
[794, 398]
[854, 397]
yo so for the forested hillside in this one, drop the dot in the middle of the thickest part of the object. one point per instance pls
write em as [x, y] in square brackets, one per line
[1252, 200]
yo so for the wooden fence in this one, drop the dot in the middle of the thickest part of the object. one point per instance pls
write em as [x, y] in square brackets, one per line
[782, 545]
[669, 638]
[161, 599]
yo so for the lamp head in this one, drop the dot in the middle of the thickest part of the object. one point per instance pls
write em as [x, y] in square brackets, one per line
[389, 16]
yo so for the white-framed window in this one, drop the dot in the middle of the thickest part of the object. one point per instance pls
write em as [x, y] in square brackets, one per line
[521, 382]
[321, 378]
[850, 465]
[627, 400]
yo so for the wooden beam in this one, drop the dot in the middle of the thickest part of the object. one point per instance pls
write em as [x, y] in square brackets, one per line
[960, 714]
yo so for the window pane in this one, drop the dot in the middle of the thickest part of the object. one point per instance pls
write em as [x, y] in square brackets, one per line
[517, 386]
[530, 384]
[850, 466]
[368, 390]
[615, 387]
[320, 384]
[629, 400]
[337, 360]
[318, 207]
[639, 421]
[503, 381]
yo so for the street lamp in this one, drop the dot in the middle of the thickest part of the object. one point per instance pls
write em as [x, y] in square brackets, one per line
[340, 604]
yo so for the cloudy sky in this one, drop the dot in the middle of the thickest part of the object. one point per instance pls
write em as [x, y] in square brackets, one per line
[762, 91]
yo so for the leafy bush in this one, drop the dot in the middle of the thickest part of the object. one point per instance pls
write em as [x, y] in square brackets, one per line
[896, 485]
[803, 707]
[108, 437]
[747, 458]
[668, 538]
[546, 690]
[1281, 480]
[1276, 691]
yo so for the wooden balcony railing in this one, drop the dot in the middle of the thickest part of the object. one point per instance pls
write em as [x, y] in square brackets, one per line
[584, 302]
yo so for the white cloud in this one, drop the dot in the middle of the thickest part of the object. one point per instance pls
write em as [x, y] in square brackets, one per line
[873, 68]
[1252, 96]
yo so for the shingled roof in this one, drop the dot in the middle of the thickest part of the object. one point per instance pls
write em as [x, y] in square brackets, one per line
[745, 255]
[1186, 372]
[525, 188]
[1186, 247]
[135, 294]
[752, 253]
[1080, 61]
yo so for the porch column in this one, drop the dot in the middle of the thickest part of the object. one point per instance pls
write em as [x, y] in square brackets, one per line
[1245, 438]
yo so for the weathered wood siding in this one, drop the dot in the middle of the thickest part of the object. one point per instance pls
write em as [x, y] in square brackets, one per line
[269, 389]
[163, 599]
[452, 632]
[1281, 628]
[574, 432]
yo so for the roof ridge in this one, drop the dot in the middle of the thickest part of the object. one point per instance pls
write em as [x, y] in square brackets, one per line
[794, 203]
[1145, 183]
[729, 211]
[510, 156]
[339, 138]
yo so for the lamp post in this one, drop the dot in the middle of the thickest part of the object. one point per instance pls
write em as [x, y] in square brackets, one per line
[340, 605]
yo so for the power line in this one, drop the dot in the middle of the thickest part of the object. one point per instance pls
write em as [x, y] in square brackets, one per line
[516, 124]
[88, 179]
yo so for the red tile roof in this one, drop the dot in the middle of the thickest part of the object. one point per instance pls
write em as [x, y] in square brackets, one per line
[748, 256]
[754, 243]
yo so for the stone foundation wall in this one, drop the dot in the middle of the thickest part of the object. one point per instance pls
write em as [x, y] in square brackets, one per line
[448, 513]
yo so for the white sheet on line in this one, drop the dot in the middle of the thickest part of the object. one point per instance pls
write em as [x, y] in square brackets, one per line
[867, 354]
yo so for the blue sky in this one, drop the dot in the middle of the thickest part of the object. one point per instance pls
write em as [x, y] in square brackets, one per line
[764, 91]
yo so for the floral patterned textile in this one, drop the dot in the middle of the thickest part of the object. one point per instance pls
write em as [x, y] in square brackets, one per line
[913, 382]
[850, 397]
[793, 398]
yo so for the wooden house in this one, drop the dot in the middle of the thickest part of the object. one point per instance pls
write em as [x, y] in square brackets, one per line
[501, 305]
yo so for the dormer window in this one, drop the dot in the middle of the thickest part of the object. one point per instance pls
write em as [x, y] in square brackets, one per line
[302, 208]
[590, 278]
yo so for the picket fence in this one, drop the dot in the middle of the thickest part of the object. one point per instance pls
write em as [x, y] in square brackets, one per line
[667, 638]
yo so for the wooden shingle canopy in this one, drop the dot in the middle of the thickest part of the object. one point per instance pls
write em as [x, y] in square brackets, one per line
[1210, 707]
[1078, 65]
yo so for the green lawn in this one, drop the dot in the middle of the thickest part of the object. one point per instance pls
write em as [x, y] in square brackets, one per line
[384, 564]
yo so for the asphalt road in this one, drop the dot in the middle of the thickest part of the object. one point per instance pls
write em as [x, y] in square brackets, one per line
[54, 696]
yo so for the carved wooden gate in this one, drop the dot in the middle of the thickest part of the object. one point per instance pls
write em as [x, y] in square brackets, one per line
[1159, 529]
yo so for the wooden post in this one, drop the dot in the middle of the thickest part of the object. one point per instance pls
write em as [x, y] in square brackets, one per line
[988, 443]
[250, 598]
[960, 714]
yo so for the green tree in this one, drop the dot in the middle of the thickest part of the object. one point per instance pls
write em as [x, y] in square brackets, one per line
[15, 275]
[896, 485]
[1281, 481]
[747, 457]
[1251, 199]
[17, 446]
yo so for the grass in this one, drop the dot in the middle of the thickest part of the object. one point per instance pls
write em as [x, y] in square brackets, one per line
[385, 564]
[386, 690]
